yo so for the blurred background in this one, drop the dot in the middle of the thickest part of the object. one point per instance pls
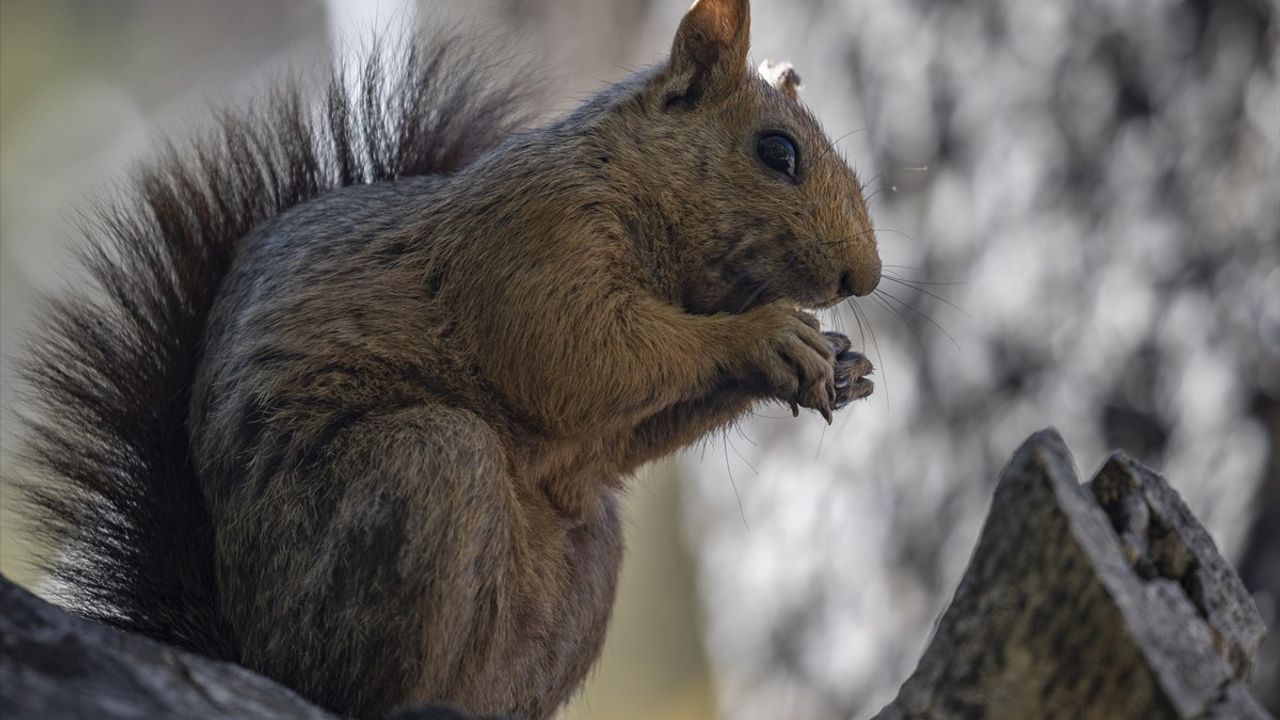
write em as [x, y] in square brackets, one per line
[1080, 202]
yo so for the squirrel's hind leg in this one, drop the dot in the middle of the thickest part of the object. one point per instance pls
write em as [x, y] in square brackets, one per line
[385, 572]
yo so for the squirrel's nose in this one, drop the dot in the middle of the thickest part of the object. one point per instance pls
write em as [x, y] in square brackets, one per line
[861, 281]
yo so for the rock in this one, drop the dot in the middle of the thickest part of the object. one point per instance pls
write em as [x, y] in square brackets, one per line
[1105, 601]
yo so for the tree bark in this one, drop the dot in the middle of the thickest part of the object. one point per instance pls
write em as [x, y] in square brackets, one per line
[55, 666]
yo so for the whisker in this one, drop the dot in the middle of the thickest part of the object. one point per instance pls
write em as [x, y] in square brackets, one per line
[851, 132]
[879, 357]
[930, 320]
[875, 177]
[741, 512]
[832, 146]
[882, 173]
[879, 190]
[914, 333]
[741, 457]
[896, 232]
[913, 283]
[933, 295]
[862, 335]
[838, 320]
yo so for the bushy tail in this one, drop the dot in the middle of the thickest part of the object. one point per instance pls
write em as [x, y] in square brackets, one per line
[116, 501]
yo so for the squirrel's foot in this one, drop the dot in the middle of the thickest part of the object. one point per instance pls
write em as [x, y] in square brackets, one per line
[798, 363]
[437, 711]
[851, 371]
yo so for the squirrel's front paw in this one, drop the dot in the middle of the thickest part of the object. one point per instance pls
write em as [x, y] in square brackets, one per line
[798, 364]
[851, 369]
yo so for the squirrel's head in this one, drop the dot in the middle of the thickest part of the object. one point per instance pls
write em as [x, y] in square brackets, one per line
[757, 205]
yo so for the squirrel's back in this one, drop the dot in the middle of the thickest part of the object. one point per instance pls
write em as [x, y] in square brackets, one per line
[117, 503]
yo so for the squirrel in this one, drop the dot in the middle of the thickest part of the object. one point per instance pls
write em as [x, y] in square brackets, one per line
[357, 391]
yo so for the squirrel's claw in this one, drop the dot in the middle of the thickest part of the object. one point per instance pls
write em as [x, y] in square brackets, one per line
[852, 369]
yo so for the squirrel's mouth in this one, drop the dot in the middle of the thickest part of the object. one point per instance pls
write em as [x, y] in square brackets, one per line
[828, 303]
[764, 293]
[812, 304]
[748, 293]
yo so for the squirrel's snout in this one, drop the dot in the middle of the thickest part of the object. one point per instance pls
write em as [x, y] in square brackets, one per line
[861, 281]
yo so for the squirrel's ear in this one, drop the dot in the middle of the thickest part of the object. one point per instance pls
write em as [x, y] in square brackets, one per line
[782, 76]
[709, 54]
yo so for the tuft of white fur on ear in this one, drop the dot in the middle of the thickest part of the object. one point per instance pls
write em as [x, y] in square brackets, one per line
[781, 75]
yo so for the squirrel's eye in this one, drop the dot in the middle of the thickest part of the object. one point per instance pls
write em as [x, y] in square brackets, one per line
[779, 153]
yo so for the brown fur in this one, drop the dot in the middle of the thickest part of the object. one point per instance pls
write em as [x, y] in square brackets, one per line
[418, 400]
